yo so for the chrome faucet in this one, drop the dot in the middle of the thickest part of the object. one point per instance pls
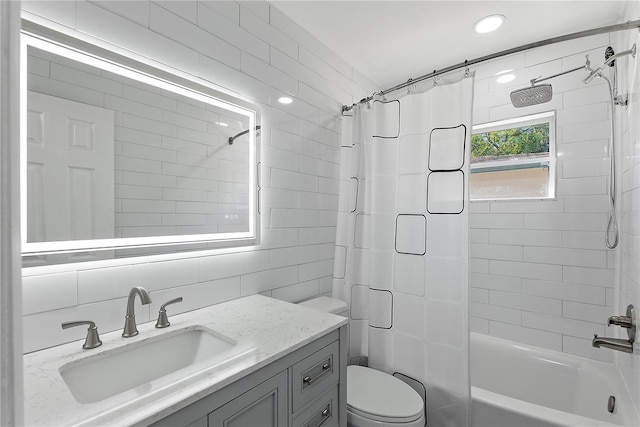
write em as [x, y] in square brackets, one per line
[629, 323]
[130, 328]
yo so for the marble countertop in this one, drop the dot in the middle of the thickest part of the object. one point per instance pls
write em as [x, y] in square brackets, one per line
[265, 329]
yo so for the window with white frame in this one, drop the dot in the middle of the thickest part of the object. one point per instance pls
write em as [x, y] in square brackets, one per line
[514, 158]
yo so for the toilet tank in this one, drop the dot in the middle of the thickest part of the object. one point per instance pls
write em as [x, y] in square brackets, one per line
[328, 305]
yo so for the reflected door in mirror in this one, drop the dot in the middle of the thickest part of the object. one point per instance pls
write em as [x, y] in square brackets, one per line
[70, 170]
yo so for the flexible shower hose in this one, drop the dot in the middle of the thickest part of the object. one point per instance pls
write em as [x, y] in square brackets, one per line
[612, 223]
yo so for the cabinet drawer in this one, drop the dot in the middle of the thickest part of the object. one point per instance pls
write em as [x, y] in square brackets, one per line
[312, 376]
[323, 412]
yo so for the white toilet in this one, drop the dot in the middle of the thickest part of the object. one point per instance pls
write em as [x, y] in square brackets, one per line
[374, 398]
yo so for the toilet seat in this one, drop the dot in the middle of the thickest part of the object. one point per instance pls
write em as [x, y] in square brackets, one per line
[381, 397]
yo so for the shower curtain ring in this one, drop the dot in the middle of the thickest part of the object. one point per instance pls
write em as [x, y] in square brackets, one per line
[435, 79]
[409, 86]
[466, 68]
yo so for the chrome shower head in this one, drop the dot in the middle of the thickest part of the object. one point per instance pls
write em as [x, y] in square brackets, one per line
[539, 94]
[533, 95]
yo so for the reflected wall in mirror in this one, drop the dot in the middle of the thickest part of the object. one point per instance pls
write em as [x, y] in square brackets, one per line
[120, 159]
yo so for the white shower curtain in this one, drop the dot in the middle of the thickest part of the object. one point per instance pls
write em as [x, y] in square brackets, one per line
[401, 258]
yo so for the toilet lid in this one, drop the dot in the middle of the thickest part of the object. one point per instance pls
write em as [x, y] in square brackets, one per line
[380, 396]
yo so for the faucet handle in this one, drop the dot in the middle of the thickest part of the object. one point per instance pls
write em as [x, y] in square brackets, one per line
[629, 322]
[163, 320]
[622, 321]
[93, 339]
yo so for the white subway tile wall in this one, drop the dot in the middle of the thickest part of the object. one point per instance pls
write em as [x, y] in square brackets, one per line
[540, 272]
[540, 269]
[249, 48]
[628, 127]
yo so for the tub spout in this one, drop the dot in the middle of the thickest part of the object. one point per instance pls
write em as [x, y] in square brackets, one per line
[612, 343]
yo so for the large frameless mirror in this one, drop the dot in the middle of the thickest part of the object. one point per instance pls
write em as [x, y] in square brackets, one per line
[123, 159]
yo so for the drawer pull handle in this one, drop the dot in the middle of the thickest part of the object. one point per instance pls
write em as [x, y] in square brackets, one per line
[325, 368]
[325, 415]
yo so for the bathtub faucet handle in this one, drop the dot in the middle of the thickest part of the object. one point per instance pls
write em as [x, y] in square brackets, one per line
[628, 322]
[623, 321]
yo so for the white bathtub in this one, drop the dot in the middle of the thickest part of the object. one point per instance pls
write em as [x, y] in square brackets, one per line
[515, 385]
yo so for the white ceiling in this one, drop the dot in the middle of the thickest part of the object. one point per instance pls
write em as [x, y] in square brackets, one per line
[391, 41]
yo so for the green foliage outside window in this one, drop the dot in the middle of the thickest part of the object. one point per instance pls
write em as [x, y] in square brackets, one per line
[510, 142]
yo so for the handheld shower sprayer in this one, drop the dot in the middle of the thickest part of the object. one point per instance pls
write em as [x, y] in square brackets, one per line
[610, 58]
[538, 94]
[612, 233]
[608, 52]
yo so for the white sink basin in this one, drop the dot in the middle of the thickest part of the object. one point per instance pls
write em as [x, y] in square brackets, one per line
[147, 365]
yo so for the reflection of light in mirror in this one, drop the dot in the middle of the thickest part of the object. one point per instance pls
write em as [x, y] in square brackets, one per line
[181, 87]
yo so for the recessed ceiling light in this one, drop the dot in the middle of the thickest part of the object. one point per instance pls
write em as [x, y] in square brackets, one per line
[488, 24]
[285, 100]
[506, 78]
[223, 124]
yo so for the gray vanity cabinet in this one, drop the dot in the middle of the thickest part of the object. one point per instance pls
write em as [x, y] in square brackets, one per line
[264, 405]
[305, 388]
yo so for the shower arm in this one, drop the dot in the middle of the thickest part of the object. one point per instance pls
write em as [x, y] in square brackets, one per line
[594, 73]
[244, 132]
[584, 67]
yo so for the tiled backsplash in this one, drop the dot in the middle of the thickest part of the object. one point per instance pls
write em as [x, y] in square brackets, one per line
[256, 51]
[540, 271]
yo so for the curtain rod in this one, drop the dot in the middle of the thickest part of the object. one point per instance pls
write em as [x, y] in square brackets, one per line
[608, 29]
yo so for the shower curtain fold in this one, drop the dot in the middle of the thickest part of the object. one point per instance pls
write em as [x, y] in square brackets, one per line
[401, 257]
